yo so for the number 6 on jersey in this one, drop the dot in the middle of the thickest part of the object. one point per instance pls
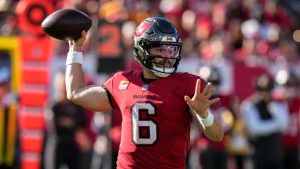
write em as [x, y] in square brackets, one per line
[138, 124]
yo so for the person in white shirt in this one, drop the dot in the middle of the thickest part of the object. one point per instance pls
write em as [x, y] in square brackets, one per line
[265, 120]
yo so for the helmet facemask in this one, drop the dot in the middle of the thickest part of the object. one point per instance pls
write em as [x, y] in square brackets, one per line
[161, 66]
[165, 58]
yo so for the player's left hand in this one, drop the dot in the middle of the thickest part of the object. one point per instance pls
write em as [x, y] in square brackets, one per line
[201, 101]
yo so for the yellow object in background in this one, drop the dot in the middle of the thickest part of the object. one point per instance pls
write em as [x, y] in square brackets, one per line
[8, 130]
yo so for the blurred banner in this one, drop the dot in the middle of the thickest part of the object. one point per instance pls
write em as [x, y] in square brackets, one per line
[31, 14]
[35, 75]
[36, 52]
[110, 49]
[243, 79]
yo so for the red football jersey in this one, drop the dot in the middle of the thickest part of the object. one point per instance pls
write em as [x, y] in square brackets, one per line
[155, 119]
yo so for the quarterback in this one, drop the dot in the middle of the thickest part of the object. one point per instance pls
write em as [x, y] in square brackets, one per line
[157, 104]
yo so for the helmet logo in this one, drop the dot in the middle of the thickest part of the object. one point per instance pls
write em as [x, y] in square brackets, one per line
[143, 27]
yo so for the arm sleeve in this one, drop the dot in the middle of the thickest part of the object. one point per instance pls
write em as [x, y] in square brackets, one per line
[109, 88]
[110, 98]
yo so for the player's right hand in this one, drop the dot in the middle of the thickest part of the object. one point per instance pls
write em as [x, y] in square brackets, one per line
[75, 45]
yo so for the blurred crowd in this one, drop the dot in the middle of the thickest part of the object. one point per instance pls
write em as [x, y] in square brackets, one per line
[247, 48]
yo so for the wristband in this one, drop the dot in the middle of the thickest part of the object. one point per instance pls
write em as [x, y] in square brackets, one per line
[74, 57]
[208, 121]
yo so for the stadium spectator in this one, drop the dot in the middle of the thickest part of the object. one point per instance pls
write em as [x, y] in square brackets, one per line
[69, 122]
[102, 148]
[154, 102]
[265, 120]
[291, 135]
[238, 146]
[225, 111]
[235, 146]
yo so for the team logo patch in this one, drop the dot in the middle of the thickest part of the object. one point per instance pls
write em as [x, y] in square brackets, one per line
[143, 28]
[123, 84]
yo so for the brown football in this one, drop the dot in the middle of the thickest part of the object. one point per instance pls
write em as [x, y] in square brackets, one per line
[66, 24]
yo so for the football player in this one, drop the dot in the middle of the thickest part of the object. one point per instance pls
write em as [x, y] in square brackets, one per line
[157, 104]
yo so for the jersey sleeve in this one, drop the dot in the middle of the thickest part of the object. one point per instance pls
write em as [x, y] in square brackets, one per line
[109, 87]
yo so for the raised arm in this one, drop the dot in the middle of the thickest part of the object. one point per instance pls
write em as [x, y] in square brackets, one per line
[199, 106]
[89, 97]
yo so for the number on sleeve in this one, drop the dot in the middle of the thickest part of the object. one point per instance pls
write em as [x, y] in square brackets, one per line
[138, 124]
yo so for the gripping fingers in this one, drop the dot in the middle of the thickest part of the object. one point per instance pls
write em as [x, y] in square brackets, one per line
[71, 42]
[76, 44]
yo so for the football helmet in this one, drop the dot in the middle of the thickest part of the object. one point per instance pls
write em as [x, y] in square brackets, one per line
[214, 76]
[157, 32]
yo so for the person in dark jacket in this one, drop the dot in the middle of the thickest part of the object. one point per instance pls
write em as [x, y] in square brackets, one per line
[68, 119]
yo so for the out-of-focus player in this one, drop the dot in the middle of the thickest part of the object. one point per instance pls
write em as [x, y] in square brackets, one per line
[157, 104]
[291, 135]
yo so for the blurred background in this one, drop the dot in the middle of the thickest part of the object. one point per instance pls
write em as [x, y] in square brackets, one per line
[228, 42]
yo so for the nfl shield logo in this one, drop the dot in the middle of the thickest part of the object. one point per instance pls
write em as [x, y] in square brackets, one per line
[144, 87]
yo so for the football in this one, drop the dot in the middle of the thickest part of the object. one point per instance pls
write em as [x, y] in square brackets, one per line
[66, 24]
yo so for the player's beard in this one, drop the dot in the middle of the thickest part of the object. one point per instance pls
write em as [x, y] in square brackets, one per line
[162, 62]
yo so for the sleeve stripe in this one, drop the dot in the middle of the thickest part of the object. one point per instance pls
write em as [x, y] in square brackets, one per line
[108, 95]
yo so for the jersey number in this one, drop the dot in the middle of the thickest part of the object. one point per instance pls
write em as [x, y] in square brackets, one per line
[140, 124]
[111, 41]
